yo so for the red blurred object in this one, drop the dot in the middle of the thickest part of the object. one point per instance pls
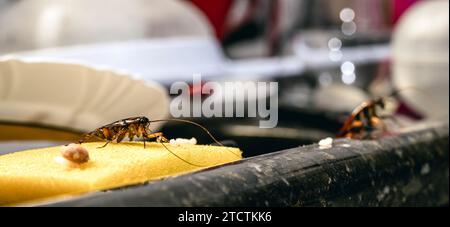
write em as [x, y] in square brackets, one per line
[399, 7]
[216, 11]
[407, 111]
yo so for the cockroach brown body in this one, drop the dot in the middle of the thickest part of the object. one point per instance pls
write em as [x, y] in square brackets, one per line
[138, 127]
[131, 127]
[363, 120]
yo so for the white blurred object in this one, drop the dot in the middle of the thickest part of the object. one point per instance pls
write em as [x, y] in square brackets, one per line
[161, 60]
[315, 50]
[166, 60]
[157, 40]
[75, 96]
[421, 58]
[28, 25]
[339, 97]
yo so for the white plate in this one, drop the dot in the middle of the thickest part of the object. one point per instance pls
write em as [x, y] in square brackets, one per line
[167, 60]
[162, 60]
[75, 96]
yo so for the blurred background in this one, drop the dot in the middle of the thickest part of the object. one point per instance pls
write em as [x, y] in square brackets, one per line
[327, 55]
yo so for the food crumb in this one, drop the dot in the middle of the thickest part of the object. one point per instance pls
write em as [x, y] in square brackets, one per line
[181, 141]
[73, 153]
[326, 143]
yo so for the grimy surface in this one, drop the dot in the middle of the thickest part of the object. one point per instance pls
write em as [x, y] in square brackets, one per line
[408, 169]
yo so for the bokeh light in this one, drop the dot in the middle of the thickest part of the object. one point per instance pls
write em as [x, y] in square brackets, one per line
[348, 28]
[347, 15]
[334, 44]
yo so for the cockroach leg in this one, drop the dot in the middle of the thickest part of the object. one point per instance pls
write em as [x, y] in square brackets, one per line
[158, 135]
[104, 145]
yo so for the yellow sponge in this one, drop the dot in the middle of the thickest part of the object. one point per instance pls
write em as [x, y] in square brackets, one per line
[37, 174]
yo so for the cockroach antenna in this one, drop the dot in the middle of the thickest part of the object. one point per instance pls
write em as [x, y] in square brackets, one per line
[182, 159]
[396, 93]
[198, 125]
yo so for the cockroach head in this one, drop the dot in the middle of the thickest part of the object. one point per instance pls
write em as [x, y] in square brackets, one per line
[381, 102]
[144, 120]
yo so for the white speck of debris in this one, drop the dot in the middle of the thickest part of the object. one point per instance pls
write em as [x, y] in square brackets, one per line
[383, 193]
[182, 141]
[345, 145]
[285, 181]
[380, 196]
[347, 169]
[425, 169]
[256, 166]
[399, 153]
[330, 180]
[329, 156]
[326, 143]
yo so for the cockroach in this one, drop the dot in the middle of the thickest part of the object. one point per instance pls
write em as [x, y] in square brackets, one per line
[138, 127]
[364, 119]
